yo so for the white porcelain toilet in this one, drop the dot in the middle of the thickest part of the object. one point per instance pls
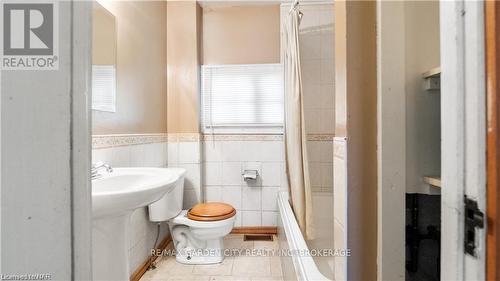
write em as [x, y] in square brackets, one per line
[198, 233]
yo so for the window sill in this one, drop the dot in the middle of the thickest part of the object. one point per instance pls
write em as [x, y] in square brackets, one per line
[243, 131]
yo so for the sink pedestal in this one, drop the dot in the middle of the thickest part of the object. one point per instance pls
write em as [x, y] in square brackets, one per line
[110, 248]
[115, 196]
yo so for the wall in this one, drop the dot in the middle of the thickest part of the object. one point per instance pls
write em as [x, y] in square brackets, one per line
[103, 36]
[391, 140]
[183, 57]
[409, 124]
[423, 133]
[184, 27]
[224, 160]
[45, 198]
[135, 136]
[141, 101]
[356, 119]
[245, 35]
[184, 151]
[241, 35]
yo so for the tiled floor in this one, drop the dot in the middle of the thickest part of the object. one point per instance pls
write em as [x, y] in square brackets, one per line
[235, 268]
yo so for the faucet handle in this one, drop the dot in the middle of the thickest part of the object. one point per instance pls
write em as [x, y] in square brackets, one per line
[97, 165]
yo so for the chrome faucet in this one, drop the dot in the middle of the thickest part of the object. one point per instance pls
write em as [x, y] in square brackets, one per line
[94, 170]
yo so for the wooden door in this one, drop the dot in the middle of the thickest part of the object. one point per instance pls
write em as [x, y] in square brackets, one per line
[492, 19]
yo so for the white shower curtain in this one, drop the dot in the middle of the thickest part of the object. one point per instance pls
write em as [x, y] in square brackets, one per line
[295, 135]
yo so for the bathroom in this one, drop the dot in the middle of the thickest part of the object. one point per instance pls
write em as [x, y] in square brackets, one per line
[249, 140]
[160, 99]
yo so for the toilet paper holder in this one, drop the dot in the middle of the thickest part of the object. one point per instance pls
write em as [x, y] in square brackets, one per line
[250, 175]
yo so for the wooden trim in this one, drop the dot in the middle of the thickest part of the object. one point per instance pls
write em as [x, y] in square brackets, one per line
[255, 230]
[492, 29]
[139, 272]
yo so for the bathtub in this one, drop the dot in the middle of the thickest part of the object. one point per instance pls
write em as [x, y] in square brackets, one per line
[296, 267]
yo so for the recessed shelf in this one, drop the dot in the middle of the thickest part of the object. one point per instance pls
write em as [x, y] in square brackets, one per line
[434, 181]
[432, 79]
[435, 72]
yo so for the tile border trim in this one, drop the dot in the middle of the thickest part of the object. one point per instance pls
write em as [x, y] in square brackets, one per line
[277, 137]
[107, 141]
[115, 140]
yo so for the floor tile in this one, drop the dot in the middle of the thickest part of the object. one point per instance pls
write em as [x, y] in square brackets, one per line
[237, 268]
[230, 278]
[267, 278]
[224, 268]
[252, 266]
[169, 267]
[189, 278]
[276, 270]
[238, 243]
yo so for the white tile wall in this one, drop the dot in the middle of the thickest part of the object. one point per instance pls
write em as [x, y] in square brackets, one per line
[143, 232]
[150, 155]
[232, 195]
[223, 164]
[321, 165]
[186, 154]
[251, 218]
[251, 197]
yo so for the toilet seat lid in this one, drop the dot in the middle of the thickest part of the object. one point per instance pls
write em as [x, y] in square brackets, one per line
[213, 211]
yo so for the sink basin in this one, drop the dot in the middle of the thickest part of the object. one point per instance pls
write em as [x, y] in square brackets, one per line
[126, 189]
[114, 197]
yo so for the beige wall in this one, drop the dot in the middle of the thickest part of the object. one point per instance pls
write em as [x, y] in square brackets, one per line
[241, 35]
[103, 36]
[141, 96]
[183, 33]
[356, 119]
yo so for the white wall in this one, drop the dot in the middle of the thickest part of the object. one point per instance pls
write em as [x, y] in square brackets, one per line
[45, 159]
[184, 152]
[224, 160]
[391, 103]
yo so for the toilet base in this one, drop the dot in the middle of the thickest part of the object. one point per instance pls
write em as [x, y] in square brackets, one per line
[212, 253]
[199, 242]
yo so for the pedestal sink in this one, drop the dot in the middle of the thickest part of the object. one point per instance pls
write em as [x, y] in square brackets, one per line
[114, 197]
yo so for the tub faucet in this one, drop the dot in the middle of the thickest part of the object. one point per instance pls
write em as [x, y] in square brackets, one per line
[94, 170]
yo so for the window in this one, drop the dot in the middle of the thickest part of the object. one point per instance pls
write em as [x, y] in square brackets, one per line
[104, 88]
[242, 98]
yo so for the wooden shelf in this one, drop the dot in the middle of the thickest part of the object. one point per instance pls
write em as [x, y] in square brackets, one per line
[435, 181]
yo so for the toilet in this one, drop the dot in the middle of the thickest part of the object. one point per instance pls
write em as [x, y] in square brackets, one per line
[198, 233]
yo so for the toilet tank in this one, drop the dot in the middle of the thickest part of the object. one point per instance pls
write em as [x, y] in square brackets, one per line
[170, 205]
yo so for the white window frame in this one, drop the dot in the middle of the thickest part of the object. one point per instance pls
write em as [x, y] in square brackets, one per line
[250, 129]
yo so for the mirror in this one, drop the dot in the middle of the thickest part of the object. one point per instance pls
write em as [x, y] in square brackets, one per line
[103, 59]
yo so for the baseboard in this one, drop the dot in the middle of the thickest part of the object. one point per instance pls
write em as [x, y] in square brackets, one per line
[139, 272]
[255, 230]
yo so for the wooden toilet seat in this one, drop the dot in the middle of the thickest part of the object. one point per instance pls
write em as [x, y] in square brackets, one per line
[213, 211]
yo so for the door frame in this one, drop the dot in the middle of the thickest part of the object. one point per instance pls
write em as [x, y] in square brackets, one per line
[463, 145]
[492, 22]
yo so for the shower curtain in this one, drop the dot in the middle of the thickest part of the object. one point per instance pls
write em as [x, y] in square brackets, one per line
[295, 136]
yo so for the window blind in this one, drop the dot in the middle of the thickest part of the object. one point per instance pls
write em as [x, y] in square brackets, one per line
[242, 96]
[104, 88]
